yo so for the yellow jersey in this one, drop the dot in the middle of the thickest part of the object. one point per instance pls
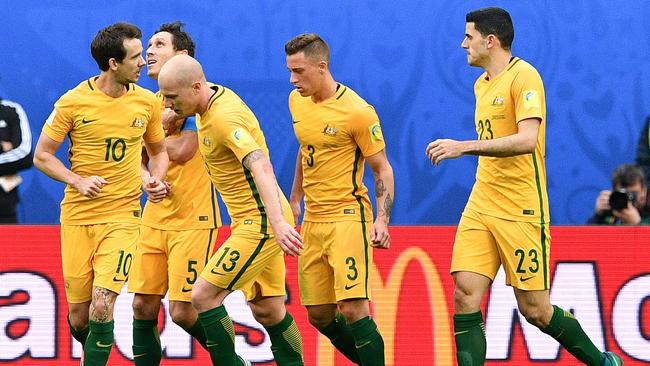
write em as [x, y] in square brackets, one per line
[193, 203]
[335, 136]
[512, 188]
[106, 140]
[228, 131]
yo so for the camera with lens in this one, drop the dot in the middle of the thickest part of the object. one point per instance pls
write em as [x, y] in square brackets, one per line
[619, 198]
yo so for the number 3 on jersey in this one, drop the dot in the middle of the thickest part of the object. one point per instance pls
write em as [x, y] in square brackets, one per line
[310, 157]
[485, 130]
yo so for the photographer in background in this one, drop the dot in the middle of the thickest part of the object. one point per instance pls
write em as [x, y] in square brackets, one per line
[15, 155]
[627, 203]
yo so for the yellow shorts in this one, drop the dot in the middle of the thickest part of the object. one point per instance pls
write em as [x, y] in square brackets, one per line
[334, 264]
[248, 261]
[170, 259]
[485, 242]
[96, 256]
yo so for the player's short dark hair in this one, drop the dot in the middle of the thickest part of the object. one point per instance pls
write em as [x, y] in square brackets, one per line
[309, 43]
[109, 43]
[181, 40]
[627, 175]
[495, 21]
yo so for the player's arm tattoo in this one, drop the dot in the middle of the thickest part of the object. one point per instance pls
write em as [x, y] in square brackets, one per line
[102, 305]
[252, 157]
[388, 205]
[380, 188]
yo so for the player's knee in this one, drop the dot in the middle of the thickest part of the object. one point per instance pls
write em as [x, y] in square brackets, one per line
[354, 310]
[143, 309]
[533, 314]
[320, 322]
[184, 317]
[465, 301]
[78, 319]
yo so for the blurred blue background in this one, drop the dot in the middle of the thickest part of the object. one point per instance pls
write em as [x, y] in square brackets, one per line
[404, 57]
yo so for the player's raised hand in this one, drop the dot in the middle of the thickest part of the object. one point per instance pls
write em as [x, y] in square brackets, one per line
[442, 149]
[156, 189]
[288, 238]
[90, 186]
[379, 235]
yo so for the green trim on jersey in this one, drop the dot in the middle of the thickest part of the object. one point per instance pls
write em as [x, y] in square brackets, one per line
[216, 95]
[213, 192]
[248, 263]
[542, 222]
[355, 168]
[345, 88]
[258, 200]
[207, 250]
[90, 85]
[517, 59]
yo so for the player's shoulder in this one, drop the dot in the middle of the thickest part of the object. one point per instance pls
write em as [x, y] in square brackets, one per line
[142, 92]
[78, 94]
[522, 67]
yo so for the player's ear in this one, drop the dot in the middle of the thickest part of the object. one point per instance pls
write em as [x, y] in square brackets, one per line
[322, 66]
[112, 63]
[181, 52]
[196, 87]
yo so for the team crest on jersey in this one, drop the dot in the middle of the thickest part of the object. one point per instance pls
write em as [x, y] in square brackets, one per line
[207, 141]
[137, 123]
[498, 101]
[330, 130]
[375, 132]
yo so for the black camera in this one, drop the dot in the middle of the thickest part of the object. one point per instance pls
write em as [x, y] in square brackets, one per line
[619, 198]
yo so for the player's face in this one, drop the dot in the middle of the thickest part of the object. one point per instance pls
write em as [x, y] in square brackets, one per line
[306, 73]
[128, 71]
[475, 45]
[159, 49]
[182, 100]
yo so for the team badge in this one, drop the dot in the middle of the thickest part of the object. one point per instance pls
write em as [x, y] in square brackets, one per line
[137, 123]
[498, 101]
[375, 132]
[207, 141]
[330, 130]
[531, 99]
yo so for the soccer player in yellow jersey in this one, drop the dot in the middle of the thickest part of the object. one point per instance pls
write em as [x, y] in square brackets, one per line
[177, 234]
[506, 218]
[237, 160]
[338, 132]
[106, 118]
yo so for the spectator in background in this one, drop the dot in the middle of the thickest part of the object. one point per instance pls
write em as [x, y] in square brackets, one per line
[15, 155]
[643, 150]
[627, 202]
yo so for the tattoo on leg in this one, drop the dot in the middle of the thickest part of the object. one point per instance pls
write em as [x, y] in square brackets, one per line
[252, 157]
[380, 188]
[101, 307]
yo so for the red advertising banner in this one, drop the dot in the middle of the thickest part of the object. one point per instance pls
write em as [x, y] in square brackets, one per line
[601, 274]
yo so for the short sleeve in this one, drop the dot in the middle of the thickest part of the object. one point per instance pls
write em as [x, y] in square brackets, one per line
[59, 123]
[238, 139]
[154, 132]
[528, 95]
[366, 131]
[190, 124]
